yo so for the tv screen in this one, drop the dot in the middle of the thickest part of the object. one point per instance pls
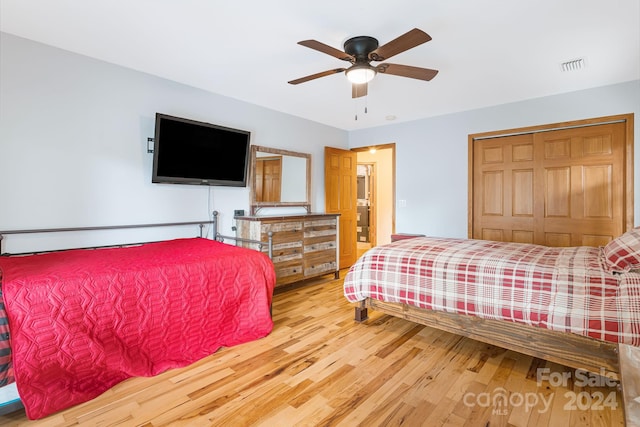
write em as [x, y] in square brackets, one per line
[191, 152]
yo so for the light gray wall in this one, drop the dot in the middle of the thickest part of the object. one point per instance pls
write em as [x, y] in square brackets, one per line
[73, 134]
[431, 154]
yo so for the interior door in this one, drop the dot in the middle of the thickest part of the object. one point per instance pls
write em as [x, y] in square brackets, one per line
[340, 184]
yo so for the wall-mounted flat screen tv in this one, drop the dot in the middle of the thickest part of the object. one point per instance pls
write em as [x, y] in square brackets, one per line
[192, 152]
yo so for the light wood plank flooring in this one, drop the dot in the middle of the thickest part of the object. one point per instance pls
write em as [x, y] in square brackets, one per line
[320, 368]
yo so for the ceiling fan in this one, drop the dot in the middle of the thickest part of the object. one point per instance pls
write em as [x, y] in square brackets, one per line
[362, 50]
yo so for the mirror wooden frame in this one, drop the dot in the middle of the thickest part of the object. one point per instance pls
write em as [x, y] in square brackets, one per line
[256, 205]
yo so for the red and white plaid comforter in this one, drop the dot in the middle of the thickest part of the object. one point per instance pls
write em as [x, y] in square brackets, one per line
[563, 289]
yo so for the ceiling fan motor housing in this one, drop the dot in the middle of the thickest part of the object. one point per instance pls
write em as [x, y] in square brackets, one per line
[360, 47]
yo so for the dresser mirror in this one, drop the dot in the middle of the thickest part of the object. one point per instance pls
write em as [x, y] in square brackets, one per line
[279, 178]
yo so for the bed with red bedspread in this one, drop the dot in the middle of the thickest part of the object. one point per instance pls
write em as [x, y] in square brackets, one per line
[81, 321]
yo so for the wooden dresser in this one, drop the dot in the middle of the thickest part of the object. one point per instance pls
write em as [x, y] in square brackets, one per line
[304, 245]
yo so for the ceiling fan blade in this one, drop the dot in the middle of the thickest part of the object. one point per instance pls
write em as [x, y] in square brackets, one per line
[407, 71]
[321, 47]
[316, 76]
[358, 90]
[406, 41]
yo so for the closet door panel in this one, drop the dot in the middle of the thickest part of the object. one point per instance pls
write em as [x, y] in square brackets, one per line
[523, 197]
[598, 192]
[557, 194]
[504, 173]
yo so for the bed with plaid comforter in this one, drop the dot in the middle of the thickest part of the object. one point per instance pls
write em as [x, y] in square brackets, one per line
[561, 289]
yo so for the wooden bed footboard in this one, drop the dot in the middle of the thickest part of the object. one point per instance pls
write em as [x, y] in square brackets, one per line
[618, 361]
[574, 351]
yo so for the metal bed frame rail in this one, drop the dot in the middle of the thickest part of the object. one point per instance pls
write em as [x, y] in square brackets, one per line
[214, 222]
[260, 244]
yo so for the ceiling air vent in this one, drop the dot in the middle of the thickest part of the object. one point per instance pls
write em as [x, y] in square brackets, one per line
[573, 65]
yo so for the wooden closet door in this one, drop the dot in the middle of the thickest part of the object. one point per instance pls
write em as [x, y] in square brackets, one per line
[581, 178]
[555, 188]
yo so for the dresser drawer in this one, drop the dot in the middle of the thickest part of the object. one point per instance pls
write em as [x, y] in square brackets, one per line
[325, 222]
[314, 261]
[312, 268]
[319, 231]
[287, 251]
[282, 232]
[289, 272]
[320, 245]
[281, 227]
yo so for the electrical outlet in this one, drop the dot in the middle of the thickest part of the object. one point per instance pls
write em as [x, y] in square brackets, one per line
[238, 212]
[402, 203]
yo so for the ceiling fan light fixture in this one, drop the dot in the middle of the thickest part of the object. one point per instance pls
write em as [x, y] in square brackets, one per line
[359, 74]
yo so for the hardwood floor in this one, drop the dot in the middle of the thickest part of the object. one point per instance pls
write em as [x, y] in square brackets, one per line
[320, 368]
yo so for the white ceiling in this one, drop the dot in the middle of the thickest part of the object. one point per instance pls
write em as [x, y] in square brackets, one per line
[488, 52]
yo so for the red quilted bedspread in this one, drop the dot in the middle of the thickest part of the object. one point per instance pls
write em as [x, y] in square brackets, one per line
[82, 321]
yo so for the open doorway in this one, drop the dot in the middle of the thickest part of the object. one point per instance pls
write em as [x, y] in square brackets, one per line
[376, 196]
